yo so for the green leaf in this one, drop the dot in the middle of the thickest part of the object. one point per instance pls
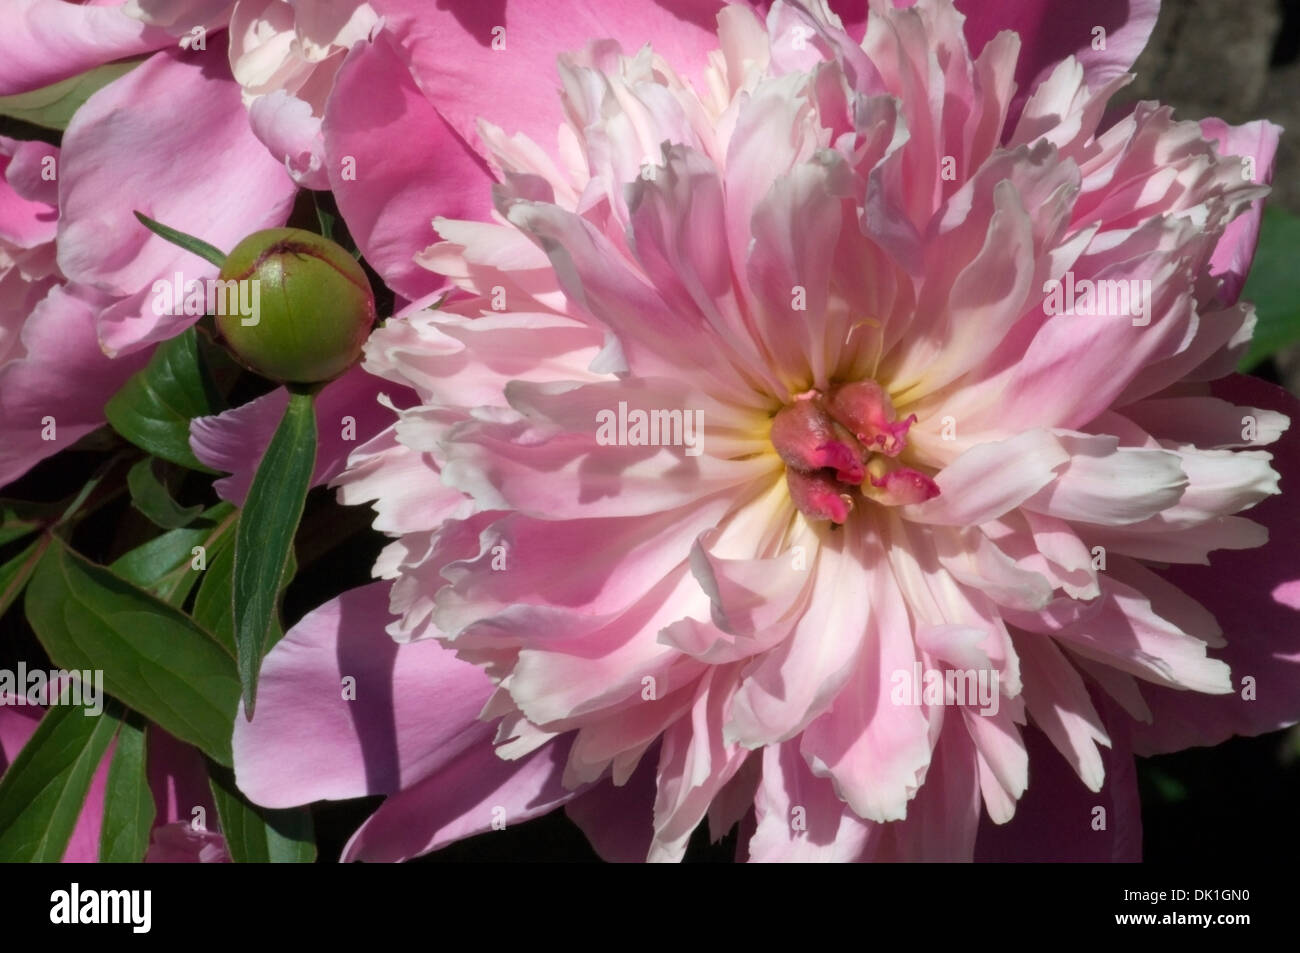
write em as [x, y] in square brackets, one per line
[15, 574]
[128, 803]
[165, 564]
[264, 540]
[191, 244]
[17, 520]
[150, 497]
[22, 517]
[42, 792]
[153, 566]
[155, 658]
[213, 606]
[52, 106]
[258, 835]
[77, 503]
[155, 406]
[1274, 287]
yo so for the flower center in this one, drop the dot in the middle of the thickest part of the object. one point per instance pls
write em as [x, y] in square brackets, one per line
[842, 446]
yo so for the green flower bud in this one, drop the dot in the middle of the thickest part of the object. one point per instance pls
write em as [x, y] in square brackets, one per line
[305, 310]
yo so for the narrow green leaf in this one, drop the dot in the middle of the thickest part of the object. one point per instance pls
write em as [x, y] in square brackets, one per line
[165, 565]
[150, 497]
[155, 658]
[17, 521]
[128, 803]
[52, 106]
[17, 530]
[74, 508]
[22, 517]
[42, 792]
[213, 604]
[265, 537]
[191, 244]
[1274, 286]
[258, 835]
[15, 574]
[325, 217]
[155, 406]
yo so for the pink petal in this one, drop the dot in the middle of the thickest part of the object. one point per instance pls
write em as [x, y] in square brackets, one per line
[875, 751]
[63, 375]
[435, 351]
[516, 86]
[462, 798]
[1051, 30]
[181, 843]
[404, 485]
[44, 41]
[348, 414]
[176, 16]
[1247, 591]
[285, 125]
[1059, 704]
[28, 216]
[571, 666]
[1105, 484]
[799, 817]
[1126, 633]
[415, 708]
[1057, 818]
[1207, 422]
[591, 568]
[178, 778]
[573, 476]
[695, 764]
[750, 596]
[990, 479]
[610, 294]
[1099, 355]
[146, 142]
[619, 821]
[943, 820]
[394, 162]
[1236, 249]
[789, 686]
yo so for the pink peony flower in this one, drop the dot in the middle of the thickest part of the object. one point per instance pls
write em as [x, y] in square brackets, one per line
[809, 359]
